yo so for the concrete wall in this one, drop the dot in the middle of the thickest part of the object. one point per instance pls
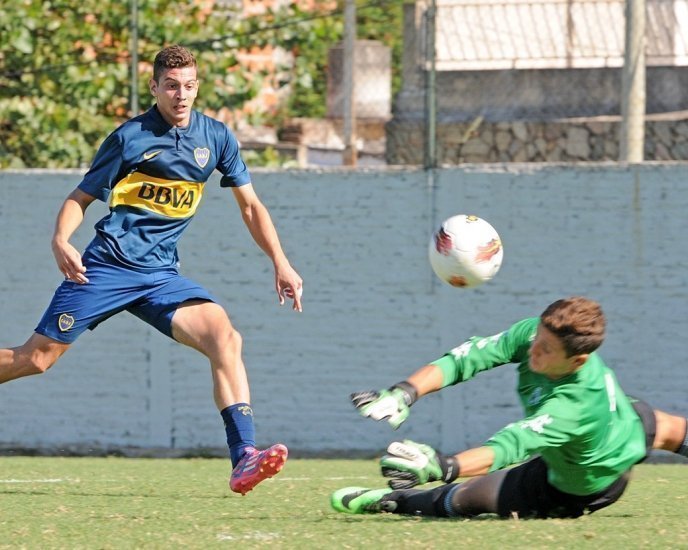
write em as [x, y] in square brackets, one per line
[373, 311]
[538, 94]
[580, 140]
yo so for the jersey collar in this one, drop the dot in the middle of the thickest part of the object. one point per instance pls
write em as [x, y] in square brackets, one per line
[155, 113]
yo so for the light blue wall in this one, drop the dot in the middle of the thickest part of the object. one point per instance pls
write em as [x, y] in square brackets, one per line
[373, 311]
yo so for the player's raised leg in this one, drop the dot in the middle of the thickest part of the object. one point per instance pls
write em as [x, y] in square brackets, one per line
[35, 356]
[206, 327]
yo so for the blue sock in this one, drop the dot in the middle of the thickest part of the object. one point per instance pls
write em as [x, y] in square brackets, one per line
[241, 434]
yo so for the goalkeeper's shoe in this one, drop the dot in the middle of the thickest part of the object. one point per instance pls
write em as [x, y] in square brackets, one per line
[359, 500]
[256, 466]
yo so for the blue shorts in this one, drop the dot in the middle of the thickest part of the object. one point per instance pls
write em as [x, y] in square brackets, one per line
[112, 288]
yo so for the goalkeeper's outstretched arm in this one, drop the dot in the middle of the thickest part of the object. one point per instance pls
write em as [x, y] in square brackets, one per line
[408, 464]
[427, 379]
[476, 461]
[393, 403]
[462, 363]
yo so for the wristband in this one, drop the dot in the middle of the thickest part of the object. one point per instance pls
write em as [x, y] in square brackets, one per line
[450, 468]
[409, 391]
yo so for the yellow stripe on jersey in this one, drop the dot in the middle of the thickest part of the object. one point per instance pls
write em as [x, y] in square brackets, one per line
[170, 198]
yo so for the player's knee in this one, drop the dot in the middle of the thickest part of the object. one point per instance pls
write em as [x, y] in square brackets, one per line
[222, 341]
[233, 340]
[38, 354]
[38, 363]
[671, 431]
[223, 331]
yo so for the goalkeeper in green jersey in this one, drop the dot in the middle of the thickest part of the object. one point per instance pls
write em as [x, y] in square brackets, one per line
[580, 436]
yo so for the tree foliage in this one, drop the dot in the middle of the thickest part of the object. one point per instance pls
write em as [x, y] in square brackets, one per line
[65, 66]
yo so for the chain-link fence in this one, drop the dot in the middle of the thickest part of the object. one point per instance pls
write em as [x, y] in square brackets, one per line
[537, 80]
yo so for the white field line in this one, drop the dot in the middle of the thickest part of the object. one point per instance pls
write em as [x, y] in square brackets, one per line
[255, 535]
[332, 478]
[277, 478]
[50, 480]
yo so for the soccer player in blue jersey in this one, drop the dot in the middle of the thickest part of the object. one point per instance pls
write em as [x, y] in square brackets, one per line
[581, 433]
[151, 172]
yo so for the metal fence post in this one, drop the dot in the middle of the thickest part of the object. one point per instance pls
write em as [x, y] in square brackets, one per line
[134, 24]
[633, 84]
[350, 156]
[430, 92]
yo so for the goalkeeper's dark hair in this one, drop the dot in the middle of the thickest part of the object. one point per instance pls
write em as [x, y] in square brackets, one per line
[578, 322]
[172, 57]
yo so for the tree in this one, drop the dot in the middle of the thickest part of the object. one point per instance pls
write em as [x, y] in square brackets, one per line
[64, 72]
[65, 66]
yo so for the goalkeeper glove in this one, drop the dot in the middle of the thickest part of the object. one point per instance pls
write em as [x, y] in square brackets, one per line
[408, 464]
[391, 405]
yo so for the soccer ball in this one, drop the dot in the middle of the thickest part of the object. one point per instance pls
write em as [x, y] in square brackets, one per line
[465, 251]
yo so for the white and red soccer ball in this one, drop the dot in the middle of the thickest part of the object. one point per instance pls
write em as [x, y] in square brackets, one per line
[465, 251]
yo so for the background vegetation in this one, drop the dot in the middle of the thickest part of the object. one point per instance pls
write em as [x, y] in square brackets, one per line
[65, 65]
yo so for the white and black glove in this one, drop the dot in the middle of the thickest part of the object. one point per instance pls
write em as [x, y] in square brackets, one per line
[391, 405]
[408, 464]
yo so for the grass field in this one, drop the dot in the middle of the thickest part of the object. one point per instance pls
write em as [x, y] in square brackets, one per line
[185, 503]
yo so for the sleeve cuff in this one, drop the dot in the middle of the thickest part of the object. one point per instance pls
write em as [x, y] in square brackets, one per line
[235, 181]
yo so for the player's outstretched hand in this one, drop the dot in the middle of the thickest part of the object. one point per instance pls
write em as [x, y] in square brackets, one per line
[408, 464]
[389, 405]
[289, 285]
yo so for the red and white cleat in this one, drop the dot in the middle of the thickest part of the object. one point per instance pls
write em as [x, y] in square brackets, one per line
[256, 466]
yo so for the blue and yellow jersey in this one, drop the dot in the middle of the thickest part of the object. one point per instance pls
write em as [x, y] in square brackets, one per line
[152, 176]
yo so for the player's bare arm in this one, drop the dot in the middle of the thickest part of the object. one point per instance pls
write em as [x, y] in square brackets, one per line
[288, 283]
[68, 220]
[427, 379]
[475, 462]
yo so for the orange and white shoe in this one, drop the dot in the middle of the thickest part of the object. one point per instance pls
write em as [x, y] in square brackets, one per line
[256, 466]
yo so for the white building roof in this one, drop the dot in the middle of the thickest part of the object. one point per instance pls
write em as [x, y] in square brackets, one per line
[543, 34]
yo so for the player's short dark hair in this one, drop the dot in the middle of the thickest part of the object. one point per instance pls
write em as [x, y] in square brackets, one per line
[578, 322]
[172, 57]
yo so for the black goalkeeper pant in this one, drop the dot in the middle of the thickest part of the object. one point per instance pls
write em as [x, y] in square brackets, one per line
[519, 492]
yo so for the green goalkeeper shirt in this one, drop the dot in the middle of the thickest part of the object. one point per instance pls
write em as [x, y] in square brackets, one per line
[582, 425]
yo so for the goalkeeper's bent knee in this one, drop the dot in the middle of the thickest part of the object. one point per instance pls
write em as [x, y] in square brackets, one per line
[683, 449]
